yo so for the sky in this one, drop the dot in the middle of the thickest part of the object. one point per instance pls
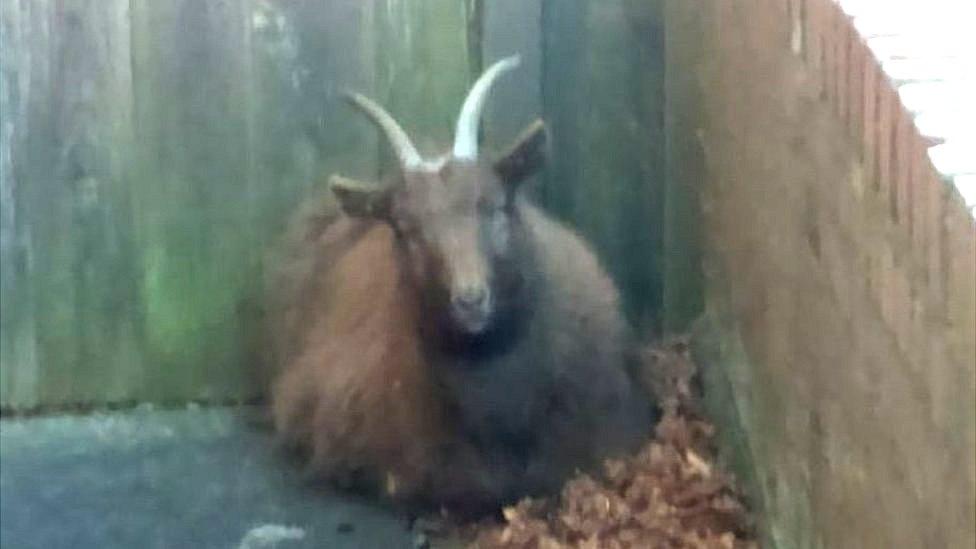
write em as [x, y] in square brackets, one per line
[928, 49]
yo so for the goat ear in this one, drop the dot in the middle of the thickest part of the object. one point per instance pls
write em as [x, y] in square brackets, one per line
[359, 199]
[526, 156]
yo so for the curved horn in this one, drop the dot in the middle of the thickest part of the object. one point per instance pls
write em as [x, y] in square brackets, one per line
[399, 140]
[466, 134]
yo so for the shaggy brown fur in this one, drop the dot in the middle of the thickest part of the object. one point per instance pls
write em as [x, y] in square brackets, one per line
[361, 394]
[389, 382]
[357, 392]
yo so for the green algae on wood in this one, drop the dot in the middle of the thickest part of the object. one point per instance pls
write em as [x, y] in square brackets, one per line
[156, 150]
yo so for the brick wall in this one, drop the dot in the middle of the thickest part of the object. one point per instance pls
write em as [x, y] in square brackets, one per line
[839, 277]
[926, 211]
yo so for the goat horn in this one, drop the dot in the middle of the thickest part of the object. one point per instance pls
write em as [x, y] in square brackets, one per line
[399, 140]
[466, 135]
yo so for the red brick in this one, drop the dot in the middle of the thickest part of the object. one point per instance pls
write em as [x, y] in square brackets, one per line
[781, 8]
[903, 151]
[829, 29]
[936, 358]
[804, 6]
[794, 23]
[886, 289]
[935, 237]
[839, 36]
[920, 196]
[918, 346]
[876, 270]
[870, 116]
[789, 9]
[813, 33]
[961, 279]
[769, 11]
[855, 81]
[901, 306]
[887, 108]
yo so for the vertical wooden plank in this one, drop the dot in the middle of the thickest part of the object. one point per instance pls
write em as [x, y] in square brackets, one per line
[235, 109]
[815, 46]
[93, 107]
[920, 197]
[46, 209]
[309, 53]
[603, 94]
[195, 224]
[871, 116]
[626, 147]
[513, 27]
[887, 105]
[564, 98]
[149, 152]
[855, 78]
[69, 165]
[305, 55]
[683, 299]
[960, 269]
[935, 248]
[423, 66]
[238, 113]
[19, 367]
[903, 150]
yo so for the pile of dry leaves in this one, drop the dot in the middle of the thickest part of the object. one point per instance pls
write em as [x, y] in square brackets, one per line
[670, 494]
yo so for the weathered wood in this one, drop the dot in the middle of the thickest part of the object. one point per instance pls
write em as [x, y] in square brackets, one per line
[603, 89]
[18, 345]
[683, 285]
[309, 55]
[195, 226]
[150, 153]
[253, 118]
[422, 66]
[305, 56]
[512, 27]
[69, 282]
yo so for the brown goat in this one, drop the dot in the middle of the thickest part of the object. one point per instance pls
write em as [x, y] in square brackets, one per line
[444, 339]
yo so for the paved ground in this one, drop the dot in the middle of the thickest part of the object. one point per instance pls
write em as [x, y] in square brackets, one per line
[169, 479]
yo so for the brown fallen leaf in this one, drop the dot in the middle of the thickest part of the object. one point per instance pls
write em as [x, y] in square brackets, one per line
[670, 494]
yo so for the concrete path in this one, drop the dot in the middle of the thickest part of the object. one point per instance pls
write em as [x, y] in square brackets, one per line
[169, 479]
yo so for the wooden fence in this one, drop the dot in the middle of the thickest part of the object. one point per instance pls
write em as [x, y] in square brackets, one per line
[151, 150]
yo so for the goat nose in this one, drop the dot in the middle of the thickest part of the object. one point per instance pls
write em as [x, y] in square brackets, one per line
[472, 298]
[471, 308]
